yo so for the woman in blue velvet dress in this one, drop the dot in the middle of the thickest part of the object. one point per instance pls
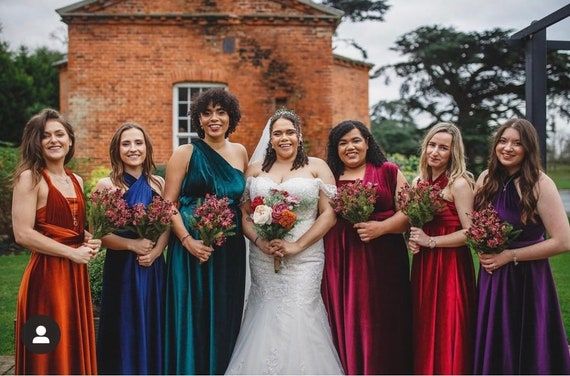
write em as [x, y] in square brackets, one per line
[130, 332]
[519, 326]
[204, 285]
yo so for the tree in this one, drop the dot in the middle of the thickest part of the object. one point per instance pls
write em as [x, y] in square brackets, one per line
[360, 10]
[473, 79]
[394, 128]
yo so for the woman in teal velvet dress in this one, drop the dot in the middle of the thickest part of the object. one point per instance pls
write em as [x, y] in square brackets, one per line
[204, 286]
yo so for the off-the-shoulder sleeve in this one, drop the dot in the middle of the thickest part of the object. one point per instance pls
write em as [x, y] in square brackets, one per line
[328, 189]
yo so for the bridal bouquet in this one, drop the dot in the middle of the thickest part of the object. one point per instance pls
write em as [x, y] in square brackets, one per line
[488, 234]
[420, 203]
[151, 221]
[108, 211]
[214, 220]
[274, 216]
[355, 201]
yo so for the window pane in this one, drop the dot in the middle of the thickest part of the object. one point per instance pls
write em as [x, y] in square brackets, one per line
[182, 109]
[182, 125]
[182, 93]
[195, 91]
[182, 140]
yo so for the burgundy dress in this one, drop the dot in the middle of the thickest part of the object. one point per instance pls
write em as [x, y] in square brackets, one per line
[443, 300]
[366, 289]
[519, 326]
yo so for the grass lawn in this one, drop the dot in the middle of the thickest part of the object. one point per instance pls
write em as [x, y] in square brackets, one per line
[11, 270]
[560, 173]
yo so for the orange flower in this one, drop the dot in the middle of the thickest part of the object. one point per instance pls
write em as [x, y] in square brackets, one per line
[287, 219]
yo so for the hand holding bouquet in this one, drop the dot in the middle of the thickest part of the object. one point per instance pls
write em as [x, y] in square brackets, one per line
[107, 212]
[151, 221]
[274, 216]
[488, 234]
[420, 203]
[355, 201]
[214, 220]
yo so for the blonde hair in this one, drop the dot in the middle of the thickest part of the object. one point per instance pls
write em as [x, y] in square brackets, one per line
[456, 166]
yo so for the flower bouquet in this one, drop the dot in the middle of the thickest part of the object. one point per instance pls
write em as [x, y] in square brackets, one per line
[214, 220]
[152, 221]
[108, 211]
[487, 233]
[420, 203]
[274, 216]
[355, 201]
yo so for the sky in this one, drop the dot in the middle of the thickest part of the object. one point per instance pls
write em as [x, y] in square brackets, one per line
[30, 23]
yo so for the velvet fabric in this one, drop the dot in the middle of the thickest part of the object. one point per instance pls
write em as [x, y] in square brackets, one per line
[443, 299]
[366, 289]
[132, 308]
[59, 288]
[204, 302]
[519, 325]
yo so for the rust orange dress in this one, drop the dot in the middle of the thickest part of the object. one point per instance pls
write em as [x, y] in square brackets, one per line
[59, 288]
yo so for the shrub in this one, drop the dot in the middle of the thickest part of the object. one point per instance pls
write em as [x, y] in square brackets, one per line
[96, 174]
[9, 157]
[408, 164]
[95, 268]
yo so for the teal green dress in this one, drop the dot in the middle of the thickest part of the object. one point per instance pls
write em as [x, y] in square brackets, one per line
[204, 302]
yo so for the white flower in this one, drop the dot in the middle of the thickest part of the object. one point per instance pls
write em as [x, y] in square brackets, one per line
[262, 215]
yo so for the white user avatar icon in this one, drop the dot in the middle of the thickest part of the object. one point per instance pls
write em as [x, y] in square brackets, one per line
[41, 338]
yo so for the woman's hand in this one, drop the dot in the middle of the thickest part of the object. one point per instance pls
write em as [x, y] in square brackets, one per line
[198, 249]
[264, 246]
[141, 246]
[413, 247]
[491, 261]
[148, 259]
[369, 230]
[282, 248]
[82, 254]
[418, 236]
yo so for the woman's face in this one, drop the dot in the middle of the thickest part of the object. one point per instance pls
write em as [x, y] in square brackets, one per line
[438, 151]
[284, 139]
[509, 150]
[132, 148]
[215, 121]
[55, 141]
[352, 149]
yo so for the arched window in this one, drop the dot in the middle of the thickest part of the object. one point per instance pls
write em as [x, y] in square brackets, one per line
[182, 128]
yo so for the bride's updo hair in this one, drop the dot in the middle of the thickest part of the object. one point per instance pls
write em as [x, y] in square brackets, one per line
[270, 155]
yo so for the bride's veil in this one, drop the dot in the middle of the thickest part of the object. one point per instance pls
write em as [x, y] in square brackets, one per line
[261, 148]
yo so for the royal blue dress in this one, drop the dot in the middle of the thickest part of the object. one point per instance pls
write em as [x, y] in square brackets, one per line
[204, 302]
[132, 309]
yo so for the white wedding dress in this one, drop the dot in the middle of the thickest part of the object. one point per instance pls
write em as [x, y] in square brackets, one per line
[285, 328]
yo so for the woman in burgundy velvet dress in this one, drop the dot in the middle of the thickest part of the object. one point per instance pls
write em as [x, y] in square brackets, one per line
[519, 327]
[443, 279]
[365, 285]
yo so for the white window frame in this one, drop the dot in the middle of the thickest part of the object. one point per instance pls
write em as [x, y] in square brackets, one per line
[176, 101]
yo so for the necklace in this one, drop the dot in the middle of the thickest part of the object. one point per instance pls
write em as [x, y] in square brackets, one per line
[62, 179]
[72, 205]
[510, 179]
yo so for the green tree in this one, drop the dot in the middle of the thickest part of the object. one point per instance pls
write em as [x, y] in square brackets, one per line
[394, 128]
[360, 10]
[473, 79]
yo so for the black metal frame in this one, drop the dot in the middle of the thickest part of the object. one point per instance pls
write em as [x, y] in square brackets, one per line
[533, 39]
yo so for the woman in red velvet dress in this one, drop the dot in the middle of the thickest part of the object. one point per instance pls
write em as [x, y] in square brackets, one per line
[366, 287]
[443, 279]
[48, 214]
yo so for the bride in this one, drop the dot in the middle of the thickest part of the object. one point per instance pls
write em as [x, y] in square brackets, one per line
[285, 328]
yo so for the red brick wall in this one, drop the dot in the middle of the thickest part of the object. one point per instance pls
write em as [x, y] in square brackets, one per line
[350, 84]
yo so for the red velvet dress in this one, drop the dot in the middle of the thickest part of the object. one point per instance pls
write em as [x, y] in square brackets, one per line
[59, 288]
[443, 299]
[366, 289]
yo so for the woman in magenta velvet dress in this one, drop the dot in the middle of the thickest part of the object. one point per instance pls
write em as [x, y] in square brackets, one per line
[519, 326]
[443, 279]
[365, 285]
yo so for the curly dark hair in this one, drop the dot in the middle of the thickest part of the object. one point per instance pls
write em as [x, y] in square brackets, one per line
[215, 97]
[374, 155]
[301, 158]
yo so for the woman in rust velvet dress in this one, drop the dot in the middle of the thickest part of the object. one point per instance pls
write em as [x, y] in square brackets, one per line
[443, 279]
[48, 213]
[366, 288]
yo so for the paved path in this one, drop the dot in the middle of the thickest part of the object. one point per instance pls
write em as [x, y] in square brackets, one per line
[6, 365]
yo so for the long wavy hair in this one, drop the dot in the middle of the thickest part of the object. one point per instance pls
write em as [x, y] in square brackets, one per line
[529, 170]
[117, 166]
[301, 159]
[456, 166]
[374, 155]
[31, 149]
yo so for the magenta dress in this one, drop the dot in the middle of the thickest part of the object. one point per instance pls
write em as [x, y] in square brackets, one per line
[366, 289]
[519, 325]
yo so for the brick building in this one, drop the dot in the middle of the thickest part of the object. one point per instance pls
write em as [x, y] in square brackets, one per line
[143, 60]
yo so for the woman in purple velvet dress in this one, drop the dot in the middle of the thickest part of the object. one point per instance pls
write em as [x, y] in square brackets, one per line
[366, 286]
[519, 326]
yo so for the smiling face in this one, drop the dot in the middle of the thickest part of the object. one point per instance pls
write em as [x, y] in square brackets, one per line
[55, 141]
[132, 148]
[352, 149]
[284, 139]
[509, 150]
[215, 122]
[438, 151]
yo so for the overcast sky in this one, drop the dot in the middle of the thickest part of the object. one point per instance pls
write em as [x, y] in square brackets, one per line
[30, 23]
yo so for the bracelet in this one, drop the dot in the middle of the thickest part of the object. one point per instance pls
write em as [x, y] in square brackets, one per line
[431, 243]
[184, 238]
[515, 256]
[255, 241]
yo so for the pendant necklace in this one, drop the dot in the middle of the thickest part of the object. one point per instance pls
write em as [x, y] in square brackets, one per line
[510, 179]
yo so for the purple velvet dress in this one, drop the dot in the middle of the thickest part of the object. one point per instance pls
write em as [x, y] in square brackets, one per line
[519, 325]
